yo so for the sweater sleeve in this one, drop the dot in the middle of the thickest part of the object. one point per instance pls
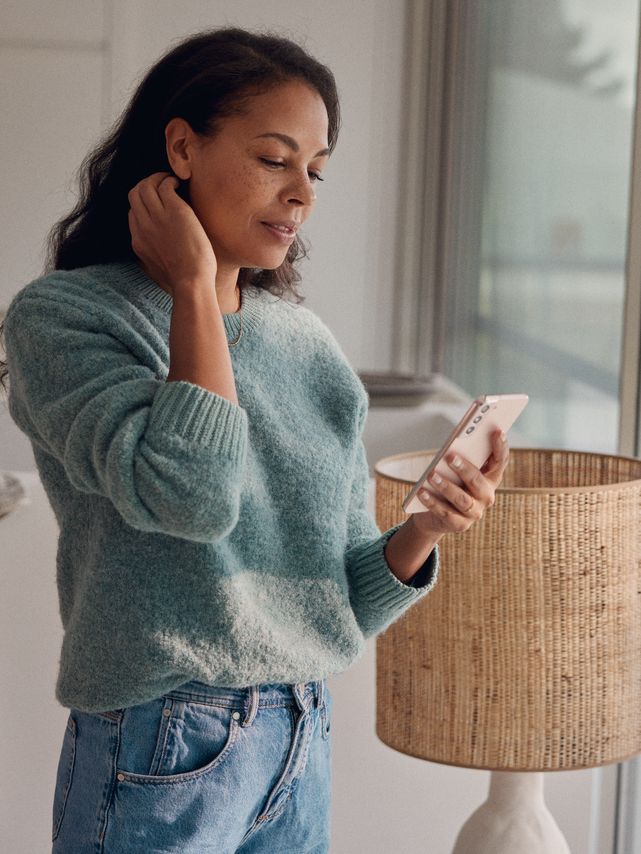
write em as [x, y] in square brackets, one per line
[168, 456]
[377, 596]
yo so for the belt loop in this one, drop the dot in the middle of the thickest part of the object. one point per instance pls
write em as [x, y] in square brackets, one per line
[299, 693]
[320, 698]
[251, 703]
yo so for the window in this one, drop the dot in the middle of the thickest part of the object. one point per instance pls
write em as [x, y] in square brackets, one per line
[514, 240]
[524, 244]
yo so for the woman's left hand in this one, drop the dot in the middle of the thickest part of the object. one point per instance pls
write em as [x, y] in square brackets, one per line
[457, 508]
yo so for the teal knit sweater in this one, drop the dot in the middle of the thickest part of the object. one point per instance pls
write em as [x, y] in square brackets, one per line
[199, 539]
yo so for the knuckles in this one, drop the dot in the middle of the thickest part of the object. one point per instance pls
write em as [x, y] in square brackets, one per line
[476, 480]
[454, 522]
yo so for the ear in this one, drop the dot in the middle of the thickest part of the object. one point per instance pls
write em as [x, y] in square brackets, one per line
[179, 142]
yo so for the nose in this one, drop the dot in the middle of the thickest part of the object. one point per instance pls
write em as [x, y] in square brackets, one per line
[300, 191]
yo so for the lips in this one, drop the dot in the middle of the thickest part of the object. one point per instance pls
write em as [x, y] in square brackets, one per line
[288, 228]
[284, 232]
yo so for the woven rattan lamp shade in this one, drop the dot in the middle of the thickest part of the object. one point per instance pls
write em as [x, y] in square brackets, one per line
[527, 653]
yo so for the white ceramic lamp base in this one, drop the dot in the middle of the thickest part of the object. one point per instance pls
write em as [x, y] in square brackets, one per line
[514, 818]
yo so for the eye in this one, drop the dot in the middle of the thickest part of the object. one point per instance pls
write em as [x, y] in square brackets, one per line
[274, 164]
[270, 162]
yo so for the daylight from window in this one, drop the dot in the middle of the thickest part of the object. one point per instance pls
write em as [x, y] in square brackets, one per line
[556, 158]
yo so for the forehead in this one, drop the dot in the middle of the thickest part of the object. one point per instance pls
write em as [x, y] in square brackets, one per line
[292, 109]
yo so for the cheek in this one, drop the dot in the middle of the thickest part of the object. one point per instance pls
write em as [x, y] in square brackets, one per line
[231, 196]
[252, 189]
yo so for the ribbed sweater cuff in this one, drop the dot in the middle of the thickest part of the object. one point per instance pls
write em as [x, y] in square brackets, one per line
[377, 583]
[195, 414]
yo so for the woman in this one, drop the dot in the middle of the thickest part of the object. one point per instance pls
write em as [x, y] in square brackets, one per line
[200, 443]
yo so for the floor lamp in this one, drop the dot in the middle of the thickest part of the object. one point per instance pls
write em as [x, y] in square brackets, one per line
[526, 656]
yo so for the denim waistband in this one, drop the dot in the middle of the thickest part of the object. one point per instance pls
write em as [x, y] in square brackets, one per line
[301, 694]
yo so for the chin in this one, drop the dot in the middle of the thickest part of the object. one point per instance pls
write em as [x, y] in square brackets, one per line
[266, 262]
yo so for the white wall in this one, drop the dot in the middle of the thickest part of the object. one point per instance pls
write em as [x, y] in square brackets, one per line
[51, 103]
[66, 69]
[59, 92]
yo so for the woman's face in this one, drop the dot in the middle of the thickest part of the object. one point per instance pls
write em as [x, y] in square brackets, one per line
[252, 184]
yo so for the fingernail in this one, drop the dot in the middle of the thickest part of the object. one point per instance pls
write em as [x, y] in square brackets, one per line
[436, 478]
[503, 437]
[456, 462]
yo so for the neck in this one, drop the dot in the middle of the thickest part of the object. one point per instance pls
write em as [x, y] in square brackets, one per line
[227, 289]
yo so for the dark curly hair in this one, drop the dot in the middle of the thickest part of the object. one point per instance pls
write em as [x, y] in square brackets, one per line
[204, 78]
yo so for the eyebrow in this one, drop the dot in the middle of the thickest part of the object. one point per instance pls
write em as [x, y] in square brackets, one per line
[292, 143]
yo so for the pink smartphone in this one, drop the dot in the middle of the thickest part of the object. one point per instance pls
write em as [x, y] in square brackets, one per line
[471, 439]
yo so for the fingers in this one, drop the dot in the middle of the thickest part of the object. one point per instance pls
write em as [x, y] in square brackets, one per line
[167, 189]
[482, 483]
[147, 204]
[478, 485]
[497, 463]
[461, 499]
[445, 516]
[149, 196]
[455, 508]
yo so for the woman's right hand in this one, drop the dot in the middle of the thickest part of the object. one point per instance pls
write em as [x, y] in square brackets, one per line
[167, 235]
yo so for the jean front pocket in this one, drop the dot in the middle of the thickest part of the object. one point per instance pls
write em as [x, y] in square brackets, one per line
[172, 741]
[64, 775]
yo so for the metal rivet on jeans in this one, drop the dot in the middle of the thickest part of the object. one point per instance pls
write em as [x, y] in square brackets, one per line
[236, 716]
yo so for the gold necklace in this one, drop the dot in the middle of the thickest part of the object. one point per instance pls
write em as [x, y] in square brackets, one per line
[240, 305]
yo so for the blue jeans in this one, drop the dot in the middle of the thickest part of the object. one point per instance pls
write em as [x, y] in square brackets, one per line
[200, 769]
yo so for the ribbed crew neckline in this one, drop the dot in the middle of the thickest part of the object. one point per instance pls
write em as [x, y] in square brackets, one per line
[251, 310]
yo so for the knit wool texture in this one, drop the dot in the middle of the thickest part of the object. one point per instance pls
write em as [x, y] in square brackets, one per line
[199, 539]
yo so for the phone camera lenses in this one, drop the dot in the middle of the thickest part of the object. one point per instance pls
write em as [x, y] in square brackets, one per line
[477, 419]
[485, 408]
[469, 430]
